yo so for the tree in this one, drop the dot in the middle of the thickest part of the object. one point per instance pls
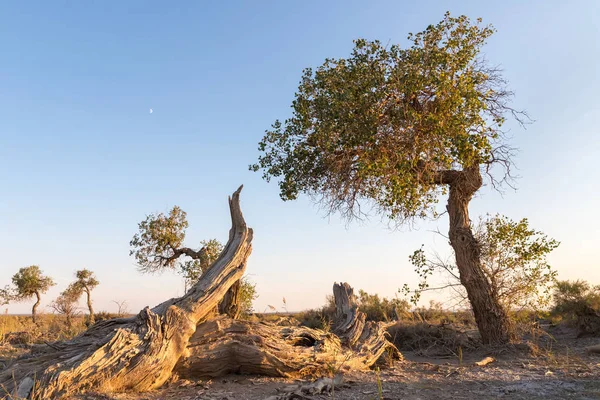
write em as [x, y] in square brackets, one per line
[571, 298]
[158, 245]
[513, 260]
[66, 303]
[6, 295]
[394, 128]
[247, 296]
[30, 282]
[85, 283]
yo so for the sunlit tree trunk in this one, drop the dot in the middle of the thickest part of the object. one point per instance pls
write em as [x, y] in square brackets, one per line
[35, 306]
[90, 308]
[492, 319]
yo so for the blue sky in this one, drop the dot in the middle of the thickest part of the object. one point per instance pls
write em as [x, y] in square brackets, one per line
[82, 160]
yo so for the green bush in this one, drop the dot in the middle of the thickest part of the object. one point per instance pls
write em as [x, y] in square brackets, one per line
[572, 299]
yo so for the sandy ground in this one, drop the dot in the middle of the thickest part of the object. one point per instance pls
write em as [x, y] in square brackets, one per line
[561, 374]
[563, 370]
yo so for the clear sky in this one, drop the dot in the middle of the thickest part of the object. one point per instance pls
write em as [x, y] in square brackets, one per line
[82, 160]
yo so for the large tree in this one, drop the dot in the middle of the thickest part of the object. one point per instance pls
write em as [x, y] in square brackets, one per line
[394, 128]
[158, 245]
[30, 282]
[85, 283]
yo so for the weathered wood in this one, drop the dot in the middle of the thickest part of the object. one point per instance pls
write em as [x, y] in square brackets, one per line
[136, 353]
[224, 345]
[349, 323]
[230, 305]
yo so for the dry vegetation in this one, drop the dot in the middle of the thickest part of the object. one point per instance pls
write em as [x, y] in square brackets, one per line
[439, 348]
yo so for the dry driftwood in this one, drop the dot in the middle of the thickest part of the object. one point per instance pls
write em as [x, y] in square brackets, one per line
[224, 345]
[136, 353]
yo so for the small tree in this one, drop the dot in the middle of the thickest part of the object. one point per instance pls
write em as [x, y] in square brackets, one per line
[30, 282]
[85, 283]
[6, 295]
[391, 129]
[247, 295]
[572, 298]
[158, 245]
[513, 260]
[66, 303]
[122, 307]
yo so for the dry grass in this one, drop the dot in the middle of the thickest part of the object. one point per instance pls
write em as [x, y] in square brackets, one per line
[20, 329]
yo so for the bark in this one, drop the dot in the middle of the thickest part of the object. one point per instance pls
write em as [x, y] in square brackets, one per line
[224, 345]
[35, 306]
[91, 318]
[492, 320]
[230, 305]
[136, 353]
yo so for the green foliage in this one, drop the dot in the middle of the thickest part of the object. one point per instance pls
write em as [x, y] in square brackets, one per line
[247, 295]
[86, 280]
[378, 309]
[513, 258]
[193, 269]
[6, 295]
[154, 246]
[159, 245]
[382, 124]
[30, 281]
[571, 298]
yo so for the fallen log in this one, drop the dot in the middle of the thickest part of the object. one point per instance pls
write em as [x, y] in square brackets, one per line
[136, 353]
[224, 345]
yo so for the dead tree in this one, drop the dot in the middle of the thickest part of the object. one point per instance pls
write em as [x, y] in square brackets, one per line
[224, 345]
[184, 336]
[136, 353]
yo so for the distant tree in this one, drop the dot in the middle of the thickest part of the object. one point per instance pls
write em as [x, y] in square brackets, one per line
[158, 245]
[30, 282]
[394, 128]
[247, 295]
[122, 307]
[85, 283]
[513, 260]
[572, 298]
[66, 303]
[6, 295]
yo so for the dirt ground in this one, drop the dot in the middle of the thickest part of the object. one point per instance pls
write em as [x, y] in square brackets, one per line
[517, 379]
[562, 369]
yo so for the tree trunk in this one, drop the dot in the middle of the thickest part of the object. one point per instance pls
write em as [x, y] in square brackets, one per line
[230, 305]
[35, 306]
[492, 320]
[91, 318]
[136, 353]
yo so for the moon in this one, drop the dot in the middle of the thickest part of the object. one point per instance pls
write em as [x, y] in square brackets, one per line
[151, 111]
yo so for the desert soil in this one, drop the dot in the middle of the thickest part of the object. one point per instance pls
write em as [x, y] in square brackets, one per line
[563, 370]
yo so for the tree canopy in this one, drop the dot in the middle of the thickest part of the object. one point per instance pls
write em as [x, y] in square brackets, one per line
[30, 281]
[156, 245]
[388, 124]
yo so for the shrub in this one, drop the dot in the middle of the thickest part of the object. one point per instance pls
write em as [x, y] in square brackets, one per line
[578, 303]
